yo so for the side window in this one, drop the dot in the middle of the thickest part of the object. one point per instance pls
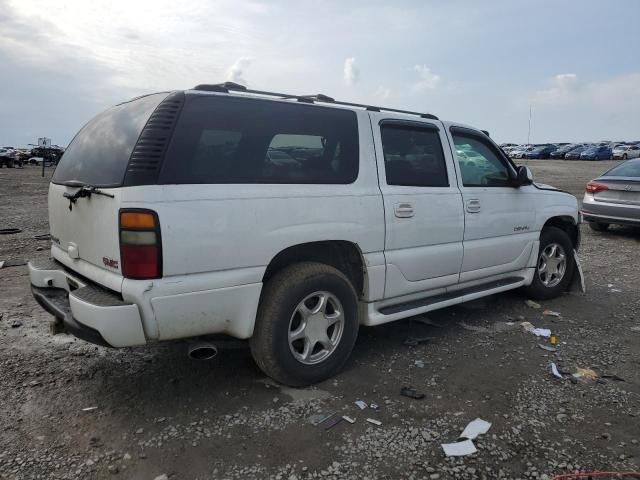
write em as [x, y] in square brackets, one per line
[479, 164]
[232, 140]
[413, 156]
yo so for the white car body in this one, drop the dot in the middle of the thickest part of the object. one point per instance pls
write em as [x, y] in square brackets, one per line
[451, 244]
[624, 152]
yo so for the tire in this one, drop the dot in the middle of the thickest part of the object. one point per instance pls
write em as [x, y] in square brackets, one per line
[624, 156]
[544, 285]
[10, 164]
[280, 314]
[598, 227]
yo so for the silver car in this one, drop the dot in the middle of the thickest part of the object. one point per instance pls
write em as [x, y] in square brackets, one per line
[613, 197]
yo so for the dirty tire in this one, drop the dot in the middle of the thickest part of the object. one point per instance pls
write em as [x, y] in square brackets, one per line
[598, 227]
[280, 297]
[538, 290]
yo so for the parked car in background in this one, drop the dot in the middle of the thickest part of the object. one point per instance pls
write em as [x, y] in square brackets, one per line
[9, 157]
[520, 153]
[624, 152]
[574, 154]
[613, 197]
[543, 151]
[600, 152]
[560, 152]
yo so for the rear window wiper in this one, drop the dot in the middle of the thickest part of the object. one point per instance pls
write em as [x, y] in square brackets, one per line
[85, 191]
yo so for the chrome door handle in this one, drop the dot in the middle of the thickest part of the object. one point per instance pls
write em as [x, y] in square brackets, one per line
[473, 205]
[404, 210]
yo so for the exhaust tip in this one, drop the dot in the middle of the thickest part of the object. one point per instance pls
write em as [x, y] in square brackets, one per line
[202, 351]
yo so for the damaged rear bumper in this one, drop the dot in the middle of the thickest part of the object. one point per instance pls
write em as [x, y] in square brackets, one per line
[85, 310]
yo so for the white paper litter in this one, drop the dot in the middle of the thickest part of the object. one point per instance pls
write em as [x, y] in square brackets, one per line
[541, 332]
[555, 371]
[348, 419]
[475, 428]
[459, 449]
[361, 405]
[373, 421]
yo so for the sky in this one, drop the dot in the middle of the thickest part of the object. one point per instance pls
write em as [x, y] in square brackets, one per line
[574, 63]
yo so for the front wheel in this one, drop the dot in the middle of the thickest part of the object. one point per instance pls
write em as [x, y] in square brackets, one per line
[307, 324]
[555, 266]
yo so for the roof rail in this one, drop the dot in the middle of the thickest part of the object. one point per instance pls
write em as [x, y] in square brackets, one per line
[226, 87]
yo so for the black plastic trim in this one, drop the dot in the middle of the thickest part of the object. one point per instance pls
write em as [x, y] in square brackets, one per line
[56, 302]
[408, 123]
[423, 302]
[148, 154]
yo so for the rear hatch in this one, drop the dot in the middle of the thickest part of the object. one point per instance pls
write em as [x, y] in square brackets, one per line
[84, 230]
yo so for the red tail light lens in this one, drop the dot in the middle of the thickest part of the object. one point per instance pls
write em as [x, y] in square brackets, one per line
[593, 187]
[140, 244]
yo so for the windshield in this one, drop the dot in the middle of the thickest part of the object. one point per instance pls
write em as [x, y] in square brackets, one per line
[99, 153]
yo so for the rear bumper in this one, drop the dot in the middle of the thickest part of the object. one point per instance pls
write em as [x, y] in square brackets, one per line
[85, 310]
[591, 217]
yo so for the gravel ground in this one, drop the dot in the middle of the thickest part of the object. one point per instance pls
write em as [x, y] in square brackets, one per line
[158, 413]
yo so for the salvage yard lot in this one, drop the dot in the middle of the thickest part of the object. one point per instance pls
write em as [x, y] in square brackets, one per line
[160, 413]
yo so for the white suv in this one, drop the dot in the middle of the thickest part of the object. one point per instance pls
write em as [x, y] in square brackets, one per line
[288, 221]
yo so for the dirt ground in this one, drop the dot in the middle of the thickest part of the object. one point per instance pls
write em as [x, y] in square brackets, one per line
[158, 413]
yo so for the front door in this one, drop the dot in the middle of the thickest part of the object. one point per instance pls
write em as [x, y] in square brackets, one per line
[423, 205]
[499, 232]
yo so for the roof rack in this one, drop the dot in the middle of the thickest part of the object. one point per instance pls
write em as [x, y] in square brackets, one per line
[226, 87]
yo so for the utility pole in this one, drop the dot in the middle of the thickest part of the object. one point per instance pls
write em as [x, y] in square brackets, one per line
[529, 134]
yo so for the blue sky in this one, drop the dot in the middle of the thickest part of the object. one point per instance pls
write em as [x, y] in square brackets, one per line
[478, 62]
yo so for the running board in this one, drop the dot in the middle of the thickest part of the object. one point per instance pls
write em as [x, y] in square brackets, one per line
[445, 297]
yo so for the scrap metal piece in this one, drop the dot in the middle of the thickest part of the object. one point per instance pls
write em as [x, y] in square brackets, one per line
[411, 393]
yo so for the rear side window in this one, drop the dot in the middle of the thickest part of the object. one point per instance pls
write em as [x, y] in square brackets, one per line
[629, 168]
[98, 155]
[236, 140]
[413, 156]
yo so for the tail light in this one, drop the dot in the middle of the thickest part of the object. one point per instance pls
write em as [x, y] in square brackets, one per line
[140, 244]
[593, 187]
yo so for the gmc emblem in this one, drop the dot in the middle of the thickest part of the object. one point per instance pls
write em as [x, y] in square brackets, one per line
[110, 262]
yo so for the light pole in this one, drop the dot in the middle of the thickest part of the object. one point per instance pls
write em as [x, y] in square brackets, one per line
[529, 133]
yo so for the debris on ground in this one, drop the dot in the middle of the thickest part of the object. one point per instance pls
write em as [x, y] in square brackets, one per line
[374, 406]
[459, 449]
[42, 236]
[411, 393]
[9, 231]
[419, 363]
[612, 377]
[332, 422]
[547, 348]
[555, 372]
[89, 409]
[361, 405]
[16, 324]
[538, 332]
[475, 428]
[532, 304]
[551, 313]
[374, 421]
[348, 419]
[586, 373]
[415, 341]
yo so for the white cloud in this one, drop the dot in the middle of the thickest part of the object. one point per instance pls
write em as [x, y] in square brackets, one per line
[235, 73]
[562, 89]
[427, 80]
[382, 92]
[351, 71]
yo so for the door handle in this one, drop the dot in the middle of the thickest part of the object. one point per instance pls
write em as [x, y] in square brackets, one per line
[404, 210]
[473, 205]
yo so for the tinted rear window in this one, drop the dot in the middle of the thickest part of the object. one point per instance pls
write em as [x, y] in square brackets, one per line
[629, 168]
[237, 140]
[98, 155]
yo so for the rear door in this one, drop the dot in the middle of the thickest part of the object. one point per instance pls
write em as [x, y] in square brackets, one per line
[422, 204]
[499, 219]
[84, 232]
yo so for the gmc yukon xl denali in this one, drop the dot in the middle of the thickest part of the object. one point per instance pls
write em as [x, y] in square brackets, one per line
[288, 221]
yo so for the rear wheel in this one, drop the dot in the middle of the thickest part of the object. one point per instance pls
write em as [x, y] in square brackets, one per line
[624, 156]
[555, 266]
[307, 324]
[598, 227]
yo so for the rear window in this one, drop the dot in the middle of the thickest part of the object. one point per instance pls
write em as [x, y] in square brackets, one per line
[237, 140]
[98, 155]
[630, 168]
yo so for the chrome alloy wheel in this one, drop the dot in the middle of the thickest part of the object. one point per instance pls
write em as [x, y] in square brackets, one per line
[552, 265]
[316, 327]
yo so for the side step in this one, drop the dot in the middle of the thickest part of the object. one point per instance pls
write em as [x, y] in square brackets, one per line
[425, 302]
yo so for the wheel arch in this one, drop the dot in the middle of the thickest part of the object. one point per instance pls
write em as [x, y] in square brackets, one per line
[344, 255]
[567, 224]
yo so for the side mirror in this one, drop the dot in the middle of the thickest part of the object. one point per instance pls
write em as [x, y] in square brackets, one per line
[524, 176]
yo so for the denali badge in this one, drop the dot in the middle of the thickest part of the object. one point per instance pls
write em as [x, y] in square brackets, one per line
[110, 262]
[520, 228]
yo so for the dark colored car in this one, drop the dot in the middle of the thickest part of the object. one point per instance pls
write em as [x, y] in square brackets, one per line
[601, 152]
[541, 152]
[575, 153]
[562, 151]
